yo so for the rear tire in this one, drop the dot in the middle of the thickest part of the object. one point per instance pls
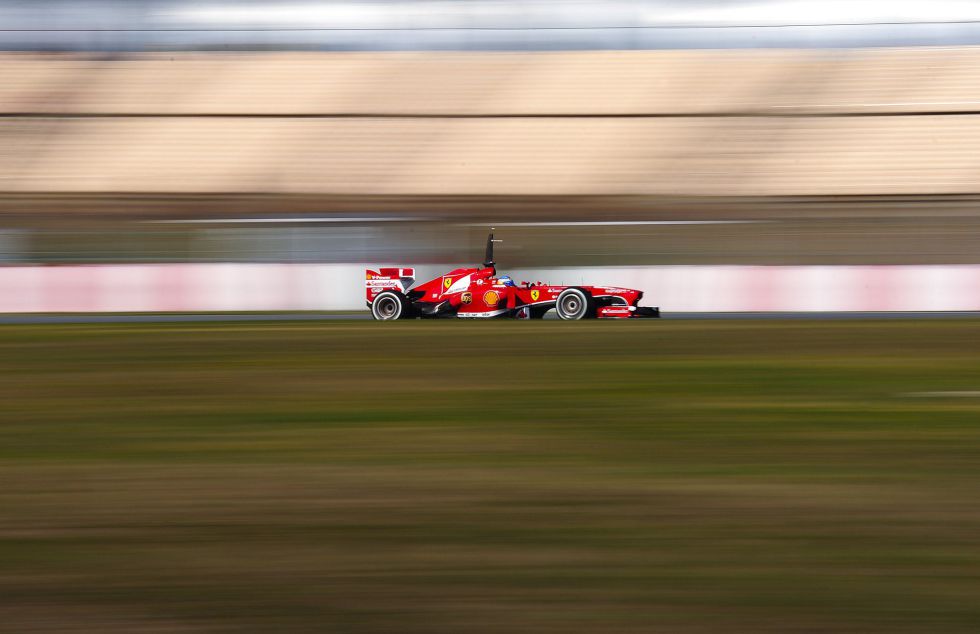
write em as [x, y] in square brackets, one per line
[389, 305]
[575, 303]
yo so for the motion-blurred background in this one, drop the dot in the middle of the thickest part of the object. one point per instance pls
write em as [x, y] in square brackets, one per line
[443, 477]
[748, 155]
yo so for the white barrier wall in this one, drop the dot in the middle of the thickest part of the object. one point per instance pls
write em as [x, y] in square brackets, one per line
[269, 287]
[181, 287]
[789, 288]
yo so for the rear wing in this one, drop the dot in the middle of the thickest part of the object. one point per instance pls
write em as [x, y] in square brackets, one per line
[388, 279]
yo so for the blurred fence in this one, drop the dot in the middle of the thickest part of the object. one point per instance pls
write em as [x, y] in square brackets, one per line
[731, 123]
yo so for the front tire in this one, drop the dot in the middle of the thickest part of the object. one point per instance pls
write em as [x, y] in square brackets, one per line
[389, 305]
[575, 303]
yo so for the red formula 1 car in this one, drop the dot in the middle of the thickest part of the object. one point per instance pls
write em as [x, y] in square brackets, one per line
[481, 293]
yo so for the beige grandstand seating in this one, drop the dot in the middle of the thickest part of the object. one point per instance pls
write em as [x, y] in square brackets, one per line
[719, 123]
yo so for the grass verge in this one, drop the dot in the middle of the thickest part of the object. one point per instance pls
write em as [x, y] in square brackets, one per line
[484, 477]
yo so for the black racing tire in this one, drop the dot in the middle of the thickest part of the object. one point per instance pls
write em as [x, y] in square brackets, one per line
[575, 303]
[390, 305]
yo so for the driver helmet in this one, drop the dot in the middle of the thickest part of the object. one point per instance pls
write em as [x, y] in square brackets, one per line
[506, 280]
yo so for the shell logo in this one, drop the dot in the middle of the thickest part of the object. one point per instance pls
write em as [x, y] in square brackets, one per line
[535, 295]
[490, 298]
[447, 282]
[466, 298]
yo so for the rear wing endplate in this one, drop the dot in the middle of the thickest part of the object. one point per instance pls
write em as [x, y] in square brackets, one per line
[398, 279]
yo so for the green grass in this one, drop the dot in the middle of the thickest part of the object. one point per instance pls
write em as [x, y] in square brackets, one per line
[490, 477]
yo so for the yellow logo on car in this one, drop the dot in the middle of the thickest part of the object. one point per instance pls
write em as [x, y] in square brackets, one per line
[447, 282]
[490, 298]
[466, 297]
[535, 295]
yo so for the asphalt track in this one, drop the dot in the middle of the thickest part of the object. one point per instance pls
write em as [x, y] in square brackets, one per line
[22, 319]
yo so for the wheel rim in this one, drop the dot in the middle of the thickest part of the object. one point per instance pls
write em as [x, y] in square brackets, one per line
[387, 308]
[572, 305]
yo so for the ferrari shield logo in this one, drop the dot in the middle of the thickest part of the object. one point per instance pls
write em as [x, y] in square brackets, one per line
[490, 298]
[535, 295]
[447, 282]
[466, 297]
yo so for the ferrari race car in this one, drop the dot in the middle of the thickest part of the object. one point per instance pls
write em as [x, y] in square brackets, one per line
[481, 293]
